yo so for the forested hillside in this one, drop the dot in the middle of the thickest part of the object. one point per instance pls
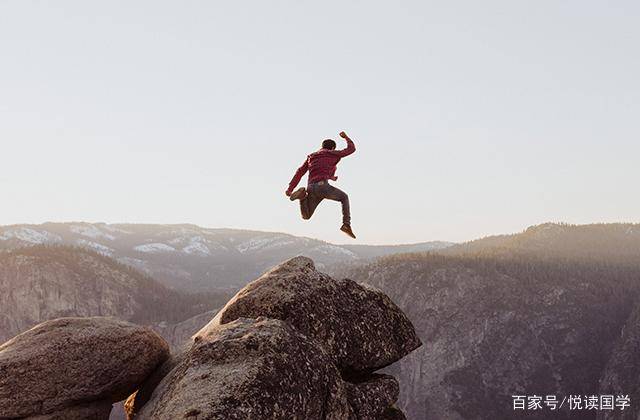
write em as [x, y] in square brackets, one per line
[610, 242]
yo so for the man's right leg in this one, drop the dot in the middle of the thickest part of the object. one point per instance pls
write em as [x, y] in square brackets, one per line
[332, 193]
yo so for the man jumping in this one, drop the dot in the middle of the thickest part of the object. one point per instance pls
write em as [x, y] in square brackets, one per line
[322, 168]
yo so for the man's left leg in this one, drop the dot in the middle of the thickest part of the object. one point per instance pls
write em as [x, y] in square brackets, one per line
[308, 205]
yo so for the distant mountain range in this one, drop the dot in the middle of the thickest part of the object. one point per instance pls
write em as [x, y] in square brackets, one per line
[192, 258]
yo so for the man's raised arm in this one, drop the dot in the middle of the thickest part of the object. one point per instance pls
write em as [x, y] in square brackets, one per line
[350, 146]
[298, 176]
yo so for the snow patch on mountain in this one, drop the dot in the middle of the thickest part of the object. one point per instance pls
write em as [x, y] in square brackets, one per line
[329, 249]
[216, 246]
[197, 248]
[137, 263]
[102, 249]
[197, 245]
[154, 248]
[114, 229]
[30, 235]
[265, 243]
[91, 231]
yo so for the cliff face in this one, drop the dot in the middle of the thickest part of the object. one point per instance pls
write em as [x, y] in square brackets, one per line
[36, 286]
[41, 283]
[497, 328]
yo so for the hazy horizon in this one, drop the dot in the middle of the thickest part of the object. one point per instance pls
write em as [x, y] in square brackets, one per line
[470, 119]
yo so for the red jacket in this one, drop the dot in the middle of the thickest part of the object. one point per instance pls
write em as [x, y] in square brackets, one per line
[321, 165]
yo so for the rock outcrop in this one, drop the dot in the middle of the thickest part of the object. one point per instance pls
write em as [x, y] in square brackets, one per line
[294, 344]
[359, 326]
[75, 367]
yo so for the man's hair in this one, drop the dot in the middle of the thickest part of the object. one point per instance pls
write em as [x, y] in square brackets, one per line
[329, 144]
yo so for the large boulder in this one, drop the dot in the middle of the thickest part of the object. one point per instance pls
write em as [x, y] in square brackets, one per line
[249, 369]
[359, 326]
[75, 365]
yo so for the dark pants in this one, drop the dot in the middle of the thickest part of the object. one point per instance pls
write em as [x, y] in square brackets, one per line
[318, 192]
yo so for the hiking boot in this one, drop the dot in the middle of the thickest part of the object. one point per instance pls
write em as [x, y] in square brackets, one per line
[300, 193]
[347, 229]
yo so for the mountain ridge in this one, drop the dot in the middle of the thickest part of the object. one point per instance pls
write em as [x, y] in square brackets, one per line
[617, 240]
[192, 258]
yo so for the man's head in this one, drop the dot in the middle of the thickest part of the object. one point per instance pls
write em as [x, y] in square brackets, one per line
[329, 144]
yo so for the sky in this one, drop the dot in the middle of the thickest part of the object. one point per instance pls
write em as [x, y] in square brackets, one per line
[470, 118]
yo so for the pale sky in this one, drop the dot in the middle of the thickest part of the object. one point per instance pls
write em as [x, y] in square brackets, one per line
[471, 118]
